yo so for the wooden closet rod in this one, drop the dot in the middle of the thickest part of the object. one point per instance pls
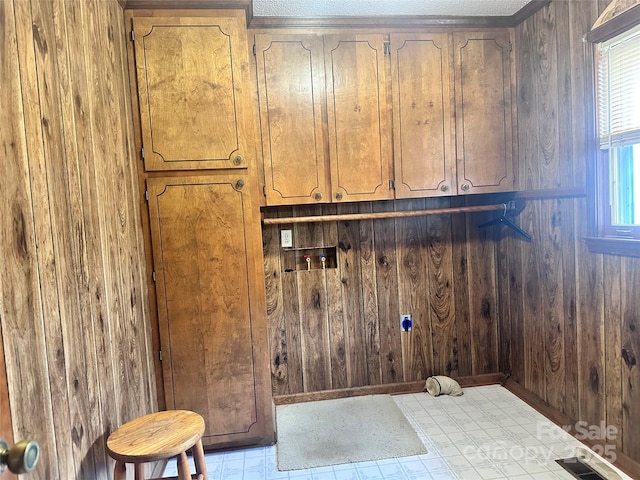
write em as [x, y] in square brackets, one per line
[401, 214]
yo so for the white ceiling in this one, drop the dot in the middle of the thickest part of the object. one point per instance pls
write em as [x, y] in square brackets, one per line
[447, 8]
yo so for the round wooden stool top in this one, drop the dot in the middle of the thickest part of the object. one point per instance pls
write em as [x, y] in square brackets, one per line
[155, 436]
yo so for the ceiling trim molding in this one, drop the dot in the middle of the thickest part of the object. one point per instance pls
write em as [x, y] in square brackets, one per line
[377, 21]
[528, 10]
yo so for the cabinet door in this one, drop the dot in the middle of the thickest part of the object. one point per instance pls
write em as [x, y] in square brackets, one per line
[193, 104]
[211, 307]
[423, 140]
[359, 117]
[292, 100]
[484, 134]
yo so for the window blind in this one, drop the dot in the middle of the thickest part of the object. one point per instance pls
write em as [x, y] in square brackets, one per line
[619, 90]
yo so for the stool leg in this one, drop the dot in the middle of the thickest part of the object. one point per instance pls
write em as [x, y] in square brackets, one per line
[120, 471]
[184, 472]
[139, 471]
[198, 458]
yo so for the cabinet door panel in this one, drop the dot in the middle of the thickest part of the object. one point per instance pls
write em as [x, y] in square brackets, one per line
[292, 98]
[204, 246]
[483, 112]
[192, 102]
[359, 117]
[424, 153]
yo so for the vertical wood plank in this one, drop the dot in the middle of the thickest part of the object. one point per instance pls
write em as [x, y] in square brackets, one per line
[527, 100]
[461, 289]
[553, 304]
[567, 228]
[582, 15]
[534, 352]
[483, 300]
[279, 361]
[630, 354]
[349, 265]
[546, 75]
[590, 313]
[505, 297]
[387, 292]
[417, 350]
[314, 327]
[613, 345]
[291, 309]
[516, 307]
[369, 298]
[338, 351]
[441, 293]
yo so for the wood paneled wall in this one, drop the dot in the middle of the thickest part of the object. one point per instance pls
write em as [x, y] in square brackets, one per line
[74, 310]
[340, 327]
[570, 332]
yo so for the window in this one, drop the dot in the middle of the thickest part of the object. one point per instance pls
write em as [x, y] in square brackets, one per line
[618, 90]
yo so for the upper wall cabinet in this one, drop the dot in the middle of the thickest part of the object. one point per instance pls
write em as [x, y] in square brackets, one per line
[292, 98]
[431, 111]
[423, 124]
[484, 131]
[359, 117]
[194, 107]
[325, 118]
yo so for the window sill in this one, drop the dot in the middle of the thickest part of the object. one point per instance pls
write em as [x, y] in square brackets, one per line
[626, 247]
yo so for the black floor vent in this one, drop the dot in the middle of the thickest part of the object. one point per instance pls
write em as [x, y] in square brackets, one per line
[576, 467]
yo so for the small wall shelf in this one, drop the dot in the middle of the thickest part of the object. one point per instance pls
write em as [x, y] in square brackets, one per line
[295, 259]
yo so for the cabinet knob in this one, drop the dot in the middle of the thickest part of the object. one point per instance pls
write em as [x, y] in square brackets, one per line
[444, 188]
[239, 184]
[465, 187]
[318, 196]
[238, 160]
[21, 458]
[339, 196]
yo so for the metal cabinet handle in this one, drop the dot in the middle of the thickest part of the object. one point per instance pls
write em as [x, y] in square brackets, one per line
[444, 188]
[238, 160]
[318, 196]
[339, 196]
[21, 458]
[465, 187]
[239, 184]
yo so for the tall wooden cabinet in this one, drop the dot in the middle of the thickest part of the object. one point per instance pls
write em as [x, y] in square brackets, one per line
[210, 293]
[203, 216]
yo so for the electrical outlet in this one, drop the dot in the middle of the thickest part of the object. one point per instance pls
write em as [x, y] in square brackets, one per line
[286, 239]
[405, 322]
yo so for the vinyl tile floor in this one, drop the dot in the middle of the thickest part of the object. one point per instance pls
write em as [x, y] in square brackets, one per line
[486, 434]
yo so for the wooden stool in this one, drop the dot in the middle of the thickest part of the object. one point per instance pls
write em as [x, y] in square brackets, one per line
[159, 436]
